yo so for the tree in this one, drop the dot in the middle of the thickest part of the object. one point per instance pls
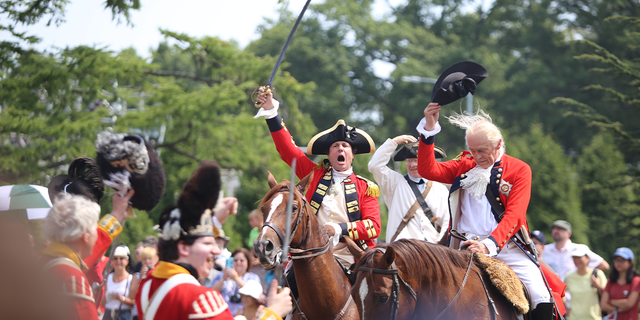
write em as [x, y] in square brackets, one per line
[622, 94]
[554, 187]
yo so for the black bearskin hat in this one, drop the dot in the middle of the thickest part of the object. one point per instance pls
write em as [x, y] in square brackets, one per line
[83, 178]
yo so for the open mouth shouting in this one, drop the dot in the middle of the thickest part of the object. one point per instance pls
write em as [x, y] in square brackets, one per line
[340, 155]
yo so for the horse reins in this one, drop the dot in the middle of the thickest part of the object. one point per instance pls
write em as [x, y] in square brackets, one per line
[395, 289]
[395, 292]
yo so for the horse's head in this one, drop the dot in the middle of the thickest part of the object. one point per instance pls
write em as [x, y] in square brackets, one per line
[379, 291]
[268, 245]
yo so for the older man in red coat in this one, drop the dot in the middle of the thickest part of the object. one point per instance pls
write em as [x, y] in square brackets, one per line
[485, 171]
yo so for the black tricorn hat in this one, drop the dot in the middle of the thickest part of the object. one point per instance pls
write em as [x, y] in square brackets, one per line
[359, 140]
[191, 216]
[410, 150]
[457, 81]
[128, 162]
[83, 178]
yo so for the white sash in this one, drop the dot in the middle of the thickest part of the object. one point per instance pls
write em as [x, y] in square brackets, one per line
[150, 306]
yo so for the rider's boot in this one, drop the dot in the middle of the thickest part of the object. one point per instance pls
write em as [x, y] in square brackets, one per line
[543, 311]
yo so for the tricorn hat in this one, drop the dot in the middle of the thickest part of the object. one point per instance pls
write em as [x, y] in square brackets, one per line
[457, 81]
[359, 140]
[126, 162]
[192, 215]
[82, 178]
[410, 150]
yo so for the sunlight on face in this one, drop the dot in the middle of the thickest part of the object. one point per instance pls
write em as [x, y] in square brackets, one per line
[482, 151]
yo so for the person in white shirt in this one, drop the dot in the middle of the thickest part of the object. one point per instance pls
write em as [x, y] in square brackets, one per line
[558, 254]
[400, 198]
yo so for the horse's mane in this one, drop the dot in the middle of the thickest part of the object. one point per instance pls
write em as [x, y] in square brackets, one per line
[424, 260]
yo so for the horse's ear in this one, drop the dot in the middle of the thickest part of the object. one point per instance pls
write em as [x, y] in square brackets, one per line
[272, 181]
[389, 257]
[353, 248]
[303, 185]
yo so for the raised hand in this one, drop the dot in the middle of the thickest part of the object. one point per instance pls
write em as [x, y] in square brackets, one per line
[431, 114]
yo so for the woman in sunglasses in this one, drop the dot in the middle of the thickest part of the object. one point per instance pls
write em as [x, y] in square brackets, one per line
[117, 302]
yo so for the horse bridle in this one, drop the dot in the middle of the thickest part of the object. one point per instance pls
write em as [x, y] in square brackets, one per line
[395, 288]
[395, 292]
[298, 253]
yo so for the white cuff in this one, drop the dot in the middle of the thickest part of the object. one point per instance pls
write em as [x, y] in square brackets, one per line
[268, 114]
[426, 133]
[337, 232]
[493, 250]
[217, 223]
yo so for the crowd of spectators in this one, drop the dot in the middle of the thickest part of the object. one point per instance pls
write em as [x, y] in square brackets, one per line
[589, 294]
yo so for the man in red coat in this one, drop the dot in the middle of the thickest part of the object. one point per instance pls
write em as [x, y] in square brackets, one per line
[485, 171]
[331, 191]
[78, 240]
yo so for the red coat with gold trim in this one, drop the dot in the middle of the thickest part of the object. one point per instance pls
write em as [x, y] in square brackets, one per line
[68, 271]
[184, 301]
[367, 227]
[510, 183]
[64, 270]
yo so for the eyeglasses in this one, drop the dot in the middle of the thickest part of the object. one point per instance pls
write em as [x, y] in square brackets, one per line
[411, 161]
[120, 258]
[621, 260]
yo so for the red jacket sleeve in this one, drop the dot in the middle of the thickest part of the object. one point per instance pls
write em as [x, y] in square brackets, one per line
[429, 168]
[108, 229]
[288, 149]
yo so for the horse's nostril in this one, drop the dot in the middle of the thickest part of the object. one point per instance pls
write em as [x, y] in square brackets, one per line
[269, 246]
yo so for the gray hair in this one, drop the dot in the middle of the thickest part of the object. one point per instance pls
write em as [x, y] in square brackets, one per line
[478, 123]
[71, 217]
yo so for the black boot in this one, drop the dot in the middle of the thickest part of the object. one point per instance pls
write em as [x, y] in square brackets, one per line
[544, 311]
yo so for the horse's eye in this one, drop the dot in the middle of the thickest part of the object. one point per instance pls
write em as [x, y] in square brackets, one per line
[382, 299]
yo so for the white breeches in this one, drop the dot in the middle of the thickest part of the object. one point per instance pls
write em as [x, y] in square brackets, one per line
[527, 271]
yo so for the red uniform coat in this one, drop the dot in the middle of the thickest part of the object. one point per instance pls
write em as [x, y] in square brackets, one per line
[510, 180]
[182, 302]
[367, 227]
[68, 271]
[510, 183]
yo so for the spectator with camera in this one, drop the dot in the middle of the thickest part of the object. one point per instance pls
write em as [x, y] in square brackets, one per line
[234, 277]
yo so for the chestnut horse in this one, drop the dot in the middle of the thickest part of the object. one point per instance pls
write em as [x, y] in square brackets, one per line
[412, 279]
[324, 289]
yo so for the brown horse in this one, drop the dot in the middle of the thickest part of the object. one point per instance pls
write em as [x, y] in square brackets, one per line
[323, 287]
[388, 276]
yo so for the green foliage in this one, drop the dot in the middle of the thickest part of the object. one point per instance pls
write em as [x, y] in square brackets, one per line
[554, 187]
[610, 188]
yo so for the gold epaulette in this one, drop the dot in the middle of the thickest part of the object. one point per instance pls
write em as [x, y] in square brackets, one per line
[372, 188]
[458, 157]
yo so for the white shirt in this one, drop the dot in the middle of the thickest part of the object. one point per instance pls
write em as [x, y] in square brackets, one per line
[561, 260]
[399, 197]
[333, 210]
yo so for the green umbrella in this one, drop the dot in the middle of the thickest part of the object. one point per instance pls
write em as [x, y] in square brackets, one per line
[24, 201]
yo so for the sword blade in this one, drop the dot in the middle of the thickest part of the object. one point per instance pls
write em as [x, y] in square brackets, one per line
[286, 44]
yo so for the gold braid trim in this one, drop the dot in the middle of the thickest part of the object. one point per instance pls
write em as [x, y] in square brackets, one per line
[372, 188]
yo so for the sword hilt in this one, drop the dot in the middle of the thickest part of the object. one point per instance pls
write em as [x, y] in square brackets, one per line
[256, 93]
